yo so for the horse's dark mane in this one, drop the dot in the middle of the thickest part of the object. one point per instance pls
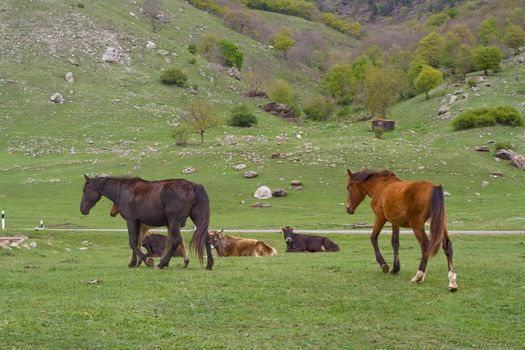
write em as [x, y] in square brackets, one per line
[367, 173]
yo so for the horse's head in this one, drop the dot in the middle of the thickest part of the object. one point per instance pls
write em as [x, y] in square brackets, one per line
[288, 233]
[356, 194]
[91, 194]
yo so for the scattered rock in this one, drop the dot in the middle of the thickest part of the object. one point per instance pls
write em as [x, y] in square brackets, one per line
[480, 79]
[57, 98]
[482, 149]
[520, 59]
[505, 154]
[484, 183]
[453, 99]
[163, 52]
[447, 194]
[95, 282]
[73, 61]
[497, 173]
[33, 245]
[111, 55]
[234, 73]
[519, 162]
[240, 166]
[263, 192]
[250, 174]
[488, 84]
[458, 92]
[277, 155]
[261, 205]
[256, 94]
[296, 183]
[69, 77]
[489, 142]
[464, 96]
[279, 192]
[384, 124]
[280, 110]
[443, 110]
[188, 170]
[150, 45]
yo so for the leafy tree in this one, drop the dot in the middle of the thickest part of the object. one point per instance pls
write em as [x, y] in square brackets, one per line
[437, 19]
[318, 108]
[257, 76]
[281, 92]
[428, 79]
[242, 22]
[517, 16]
[199, 117]
[338, 82]
[283, 40]
[514, 37]
[489, 32]
[414, 69]
[208, 44]
[232, 56]
[430, 49]
[375, 54]
[487, 58]
[382, 90]
[465, 35]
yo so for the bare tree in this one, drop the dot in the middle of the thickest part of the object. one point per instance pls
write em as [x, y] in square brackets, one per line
[200, 117]
[152, 9]
[258, 75]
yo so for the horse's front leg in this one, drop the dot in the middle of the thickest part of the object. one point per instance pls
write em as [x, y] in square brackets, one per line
[395, 246]
[133, 233]
[378, 226]
[172, 243]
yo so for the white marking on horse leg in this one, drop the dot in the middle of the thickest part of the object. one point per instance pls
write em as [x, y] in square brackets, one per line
[419, 277]
[323, 249]
[452, 285]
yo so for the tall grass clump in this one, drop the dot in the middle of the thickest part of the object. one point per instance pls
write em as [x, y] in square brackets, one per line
[242, 117]
[482, 117]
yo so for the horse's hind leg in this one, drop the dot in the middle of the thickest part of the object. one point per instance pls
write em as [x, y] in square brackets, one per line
[184, 253]
[423, 243]
[133, 233]
[447, 247]
[378, 226]
[395, 246]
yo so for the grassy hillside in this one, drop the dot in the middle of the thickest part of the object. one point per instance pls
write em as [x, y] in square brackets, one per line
[117, 117]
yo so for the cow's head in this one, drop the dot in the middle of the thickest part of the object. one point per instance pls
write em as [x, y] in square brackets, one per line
[288, 233]
[215, 237]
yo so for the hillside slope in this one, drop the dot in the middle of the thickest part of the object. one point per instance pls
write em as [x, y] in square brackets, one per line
[117, 121]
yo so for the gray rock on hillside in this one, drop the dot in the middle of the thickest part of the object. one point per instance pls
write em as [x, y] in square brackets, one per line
[69, 77]
[151, 45]
[57, 98]
[111, 55]
[505, 154]
[263, 192]
[250, 174]
[279, 192]
[518, 161]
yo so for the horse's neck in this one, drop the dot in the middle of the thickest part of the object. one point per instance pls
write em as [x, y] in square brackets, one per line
[112, 189]
[374, 186]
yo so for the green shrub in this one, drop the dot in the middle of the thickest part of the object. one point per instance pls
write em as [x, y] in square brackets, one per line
[80, 5]
[180, 133]
[242, 117]
[192, 48]
[173, 76]
[318, 108]
[504, 145]
[378, 132]
[233, 57]
[281, 92]
[471, 82]
[481, 117]
[192, 60]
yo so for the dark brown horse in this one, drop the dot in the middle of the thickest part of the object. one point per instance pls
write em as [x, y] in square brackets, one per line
[155, 203]
[296, 243]
[155, 244]
[403, 204]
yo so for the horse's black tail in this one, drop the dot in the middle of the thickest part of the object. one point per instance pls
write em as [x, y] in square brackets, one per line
[200, 214]
[330, 246]
[437, 220]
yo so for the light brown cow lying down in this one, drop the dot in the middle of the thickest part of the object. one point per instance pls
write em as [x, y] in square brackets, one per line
[237, 246]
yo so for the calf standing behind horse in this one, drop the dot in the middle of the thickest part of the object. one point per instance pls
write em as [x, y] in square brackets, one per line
[296, 243]
[404, 204]
[237, 246]
[155, 203]
[155, 244]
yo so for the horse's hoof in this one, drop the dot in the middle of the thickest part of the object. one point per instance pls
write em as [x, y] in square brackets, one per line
[149, 261]
[452, 289]
[208, 268]
[186, 264]
[385, 268]
[394, 272]
[132, 265]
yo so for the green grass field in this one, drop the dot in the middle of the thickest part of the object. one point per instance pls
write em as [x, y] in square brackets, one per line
[292, 301]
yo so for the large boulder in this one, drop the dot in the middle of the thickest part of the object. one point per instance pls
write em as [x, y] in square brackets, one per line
[57, 98]
[250, 174]
[519, 162]
[505, 154]
[111, 55]
[69, 77]
[234, 73]
[263, 192]
[279, 192]
[280, 110]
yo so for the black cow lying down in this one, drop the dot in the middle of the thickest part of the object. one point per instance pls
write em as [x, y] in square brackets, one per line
[305, 243]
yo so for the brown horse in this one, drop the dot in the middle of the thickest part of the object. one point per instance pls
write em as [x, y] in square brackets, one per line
[155, 203]
[403, 204]
[155, 244]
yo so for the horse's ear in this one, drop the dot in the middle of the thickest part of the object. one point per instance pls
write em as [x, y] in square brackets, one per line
[86, 177]
[349, 172]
